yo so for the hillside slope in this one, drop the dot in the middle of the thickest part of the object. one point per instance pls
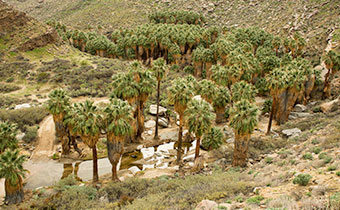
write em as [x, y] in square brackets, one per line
[315, 19]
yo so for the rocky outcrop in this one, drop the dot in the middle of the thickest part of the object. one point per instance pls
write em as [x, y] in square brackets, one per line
[26, 32]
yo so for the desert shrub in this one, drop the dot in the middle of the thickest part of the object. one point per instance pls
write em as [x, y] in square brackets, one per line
[31, 133]
[7, 101]
[43, 77]
[29, 116]
[178, 193]
[322, 155]
[316, 150]
[268, 160]
[267, 106]
[302, 179]
[331, 168]
[338, 173]
[282, 203]
[213, 139]
[7, 88]
[307, 156]
[327, 160]
[65, 183]
[335, 201]
[255, 200]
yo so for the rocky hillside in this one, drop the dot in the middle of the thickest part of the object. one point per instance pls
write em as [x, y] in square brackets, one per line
[315, 19]
[20, 32]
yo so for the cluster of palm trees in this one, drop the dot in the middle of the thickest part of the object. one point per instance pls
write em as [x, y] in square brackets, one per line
[11, 163]
[177, 17]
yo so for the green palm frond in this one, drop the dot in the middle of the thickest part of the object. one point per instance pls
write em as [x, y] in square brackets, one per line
[222, 97]
[243, 90]
[243, 117]
[11, 166]
[58, 101]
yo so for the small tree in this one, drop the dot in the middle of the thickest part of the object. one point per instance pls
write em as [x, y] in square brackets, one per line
[243, 120]
[8, 138]
[159, 69]
[117, 121]
[11, 168]
[199, 117]
[58, 103]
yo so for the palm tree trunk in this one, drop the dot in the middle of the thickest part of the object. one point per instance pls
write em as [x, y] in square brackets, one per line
[271, 116]
[180, 133]
[140, 121]
[219, 114]
[197, 149]
[115, 149]
[241, 149]
[14, 193]
[157, 115]
[95, 165]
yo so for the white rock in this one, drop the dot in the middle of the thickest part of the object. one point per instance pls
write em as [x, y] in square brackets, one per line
[134, 169]
[292, 132]
[330, 106]
[206, 205]
[300, 108]
[163, 122]
[150, 124]
[22, 106]
[153, 110]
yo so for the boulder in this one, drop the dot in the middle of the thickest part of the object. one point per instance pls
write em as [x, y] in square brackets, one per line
[150, 124]
[22, 106]
[231, 140]
[295, 115]
[134, 170]
[300, 108]
[292, 132]
[330, 106]
[206, 205]
[153, 110]
[163, 122]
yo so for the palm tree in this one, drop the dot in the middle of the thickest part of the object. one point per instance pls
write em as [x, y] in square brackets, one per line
[179, 95]
[221, 99]
[207, 90]
[117, 121]
[58, 103]
[159, 69]
[199, 117]
[11, 168]
[8, 138]
[332, 63]
[87, 123]
[243, 90]
[213, 139]
[243, 120]
[276, 82]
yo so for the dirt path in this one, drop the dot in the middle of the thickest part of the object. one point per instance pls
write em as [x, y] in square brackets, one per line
[46, 139]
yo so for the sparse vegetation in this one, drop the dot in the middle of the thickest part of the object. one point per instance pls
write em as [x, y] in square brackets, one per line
[302, 179]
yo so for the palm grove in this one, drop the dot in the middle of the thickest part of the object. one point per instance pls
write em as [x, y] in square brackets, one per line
[227, 67]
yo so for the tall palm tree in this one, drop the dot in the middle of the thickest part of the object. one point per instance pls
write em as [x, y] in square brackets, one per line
[58, 103]
[207, 90]
[8, 138]
[243, 120]
[179, 95]
[159, 69]
[117, 120]
[221, 99]
[87, 123]
[11, 168]
[199, 118]
[276, 82]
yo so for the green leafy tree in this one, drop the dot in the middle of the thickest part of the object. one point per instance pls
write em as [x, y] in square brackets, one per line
[243, 90]
[207, 90]
[221, 99]
[159, 69]
[179, 95]
[117, 121]
[8, 138]
[87, 123]
[243, 119]
[11, 168]
[58, 104]
[199, 118]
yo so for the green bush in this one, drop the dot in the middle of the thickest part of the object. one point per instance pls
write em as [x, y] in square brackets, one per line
[255, 200]
[213, 139]
[307, 156]
[7, 101]
[65, 183]
[322, 155]
[268, 160]
[302, 179]
[316, 150]
[331, 168]
[338, 173]
[29, 116]
[335, 201]
[327, 159]
[43, 77]
[31, 133]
